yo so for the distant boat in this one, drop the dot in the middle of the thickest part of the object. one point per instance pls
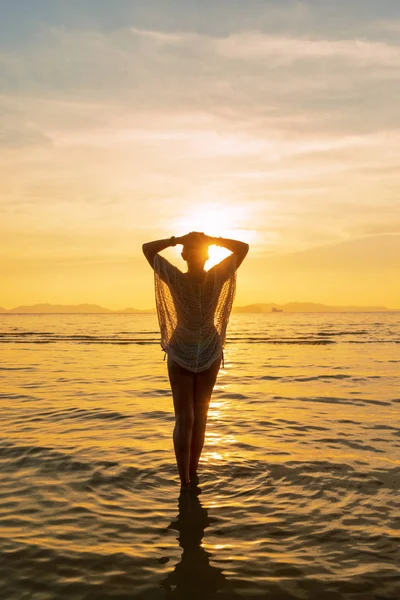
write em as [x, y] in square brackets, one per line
[276, 309]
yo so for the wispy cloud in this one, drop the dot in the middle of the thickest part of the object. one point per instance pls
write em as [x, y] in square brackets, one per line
[256, 45]
[118, 122]
[164, 37]
[139, 115]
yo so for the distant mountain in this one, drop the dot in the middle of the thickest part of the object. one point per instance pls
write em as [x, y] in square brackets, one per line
[292, 307]
[60, 308]
[135, 310]
[306, 307]
[70, 308]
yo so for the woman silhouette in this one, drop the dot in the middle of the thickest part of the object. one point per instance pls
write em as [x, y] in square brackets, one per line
[193, 311]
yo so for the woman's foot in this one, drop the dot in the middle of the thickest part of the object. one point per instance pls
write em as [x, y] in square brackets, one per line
[185, 485]
[194, 478]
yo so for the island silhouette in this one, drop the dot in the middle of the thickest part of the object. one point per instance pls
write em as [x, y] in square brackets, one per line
[290, 307]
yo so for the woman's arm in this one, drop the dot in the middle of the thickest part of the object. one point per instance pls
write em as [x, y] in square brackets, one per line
[150, 249]
[239, 248]
[233, 245]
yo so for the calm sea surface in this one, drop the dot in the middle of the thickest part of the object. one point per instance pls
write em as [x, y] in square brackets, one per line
[299, 477]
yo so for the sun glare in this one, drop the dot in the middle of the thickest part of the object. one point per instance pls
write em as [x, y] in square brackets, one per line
[215, 221]
[216, 254]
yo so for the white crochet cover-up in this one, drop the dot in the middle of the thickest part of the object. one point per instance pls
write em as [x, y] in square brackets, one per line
[193, 316]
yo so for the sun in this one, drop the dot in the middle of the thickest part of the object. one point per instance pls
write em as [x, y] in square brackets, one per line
[216, 254]
[213, 220]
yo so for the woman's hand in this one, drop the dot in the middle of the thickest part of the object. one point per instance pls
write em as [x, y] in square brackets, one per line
[207, 240]
[196, 237]
[184, 239]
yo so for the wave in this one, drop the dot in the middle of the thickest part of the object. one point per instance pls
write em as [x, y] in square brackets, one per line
[36, 337]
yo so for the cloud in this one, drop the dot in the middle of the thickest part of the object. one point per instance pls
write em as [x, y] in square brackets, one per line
[372, 229]
[372, 253]
[164, 37]
[392, 26]
[249, 81]
[24, 136]
[145, 121]
[256, 45]
[138, 61]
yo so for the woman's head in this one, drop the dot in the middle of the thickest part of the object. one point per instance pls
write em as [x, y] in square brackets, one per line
[195, 254]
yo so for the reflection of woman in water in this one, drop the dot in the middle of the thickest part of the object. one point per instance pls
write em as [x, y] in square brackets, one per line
[193, 310]
[193, 577]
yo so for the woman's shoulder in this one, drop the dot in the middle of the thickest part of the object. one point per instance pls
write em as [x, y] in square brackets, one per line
[165, 270]
[225, 268]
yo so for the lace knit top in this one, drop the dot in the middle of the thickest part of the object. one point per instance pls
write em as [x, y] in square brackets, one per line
[193, 316]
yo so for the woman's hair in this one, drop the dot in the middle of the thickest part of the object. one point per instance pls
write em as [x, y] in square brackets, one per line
[201, 248]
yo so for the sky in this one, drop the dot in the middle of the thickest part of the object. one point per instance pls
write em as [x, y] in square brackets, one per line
[273, 122]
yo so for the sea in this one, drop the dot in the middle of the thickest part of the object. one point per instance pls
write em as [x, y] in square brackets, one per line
[298, 493]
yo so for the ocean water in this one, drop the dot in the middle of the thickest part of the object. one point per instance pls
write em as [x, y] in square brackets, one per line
[299, 478]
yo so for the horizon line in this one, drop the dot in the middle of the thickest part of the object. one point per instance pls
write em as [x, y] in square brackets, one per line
[131, 310]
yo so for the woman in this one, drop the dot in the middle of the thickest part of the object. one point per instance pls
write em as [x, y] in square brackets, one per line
[193, 310]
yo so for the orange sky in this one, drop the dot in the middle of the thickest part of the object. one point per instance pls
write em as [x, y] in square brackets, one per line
[279, 127]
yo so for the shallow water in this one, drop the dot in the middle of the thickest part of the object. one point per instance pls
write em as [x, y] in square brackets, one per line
[299, 478]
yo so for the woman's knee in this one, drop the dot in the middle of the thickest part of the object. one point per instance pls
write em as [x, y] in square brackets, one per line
[184, 420]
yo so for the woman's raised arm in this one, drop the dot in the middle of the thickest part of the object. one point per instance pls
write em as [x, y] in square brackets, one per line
[150, 249]
[237, 247]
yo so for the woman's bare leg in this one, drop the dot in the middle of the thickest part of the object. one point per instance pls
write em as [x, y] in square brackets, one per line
[203, 386]
[181, 382]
